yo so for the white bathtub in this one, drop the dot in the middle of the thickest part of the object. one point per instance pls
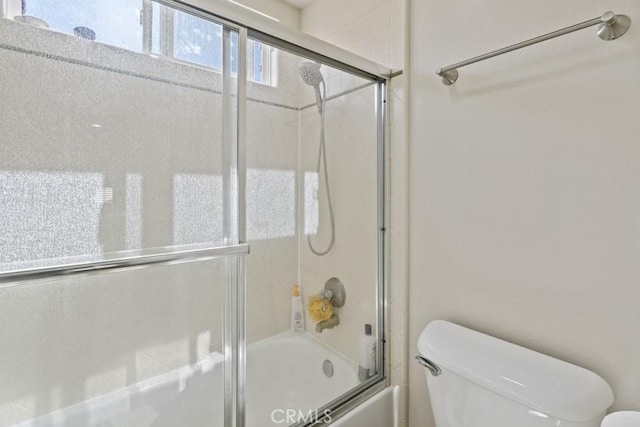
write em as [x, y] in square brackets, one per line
[380, 410]
[283, 373]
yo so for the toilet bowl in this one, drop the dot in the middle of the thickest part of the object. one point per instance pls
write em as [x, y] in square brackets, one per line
[622, 419]
[476, 380]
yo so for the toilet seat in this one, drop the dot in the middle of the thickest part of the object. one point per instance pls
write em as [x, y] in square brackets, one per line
[622, 419]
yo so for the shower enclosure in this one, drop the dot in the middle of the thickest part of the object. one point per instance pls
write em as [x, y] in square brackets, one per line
[159, 189]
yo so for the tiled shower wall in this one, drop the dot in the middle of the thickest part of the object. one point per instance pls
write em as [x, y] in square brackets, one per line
[376, 30]
[351, 150]
[272, 200]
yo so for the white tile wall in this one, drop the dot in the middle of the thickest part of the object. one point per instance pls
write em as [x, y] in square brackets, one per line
[351, 156]
[399, 248]
[376, 30]
[272, 202]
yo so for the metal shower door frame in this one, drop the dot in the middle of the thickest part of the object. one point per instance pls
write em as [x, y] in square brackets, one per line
[343, 404]
[235, 248]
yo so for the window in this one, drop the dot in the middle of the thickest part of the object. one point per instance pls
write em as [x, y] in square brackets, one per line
[114, 22]
[188, 38]
[262, 63]
[153, 28]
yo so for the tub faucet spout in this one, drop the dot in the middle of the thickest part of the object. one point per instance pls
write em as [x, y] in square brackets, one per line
[328, 324]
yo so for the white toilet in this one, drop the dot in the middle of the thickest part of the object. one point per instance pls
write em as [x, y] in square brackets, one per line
[476, 380]
[622, 419]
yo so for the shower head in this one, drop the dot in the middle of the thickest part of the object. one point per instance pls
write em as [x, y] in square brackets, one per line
[310, 73]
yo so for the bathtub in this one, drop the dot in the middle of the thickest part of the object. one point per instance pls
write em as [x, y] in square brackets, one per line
[285, 378]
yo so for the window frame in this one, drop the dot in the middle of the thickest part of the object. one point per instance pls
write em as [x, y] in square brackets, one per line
[11, 8]
[167, 45]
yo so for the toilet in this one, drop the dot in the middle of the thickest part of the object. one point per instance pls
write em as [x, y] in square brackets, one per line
[476, 380]
[622, 419]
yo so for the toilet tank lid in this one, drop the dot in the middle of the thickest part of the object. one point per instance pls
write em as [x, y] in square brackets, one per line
[551, 386]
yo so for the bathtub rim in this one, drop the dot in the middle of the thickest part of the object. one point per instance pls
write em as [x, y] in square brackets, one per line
[345, 403]
[349, 401]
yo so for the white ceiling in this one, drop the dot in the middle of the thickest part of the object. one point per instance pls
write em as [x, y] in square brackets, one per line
[300, 4]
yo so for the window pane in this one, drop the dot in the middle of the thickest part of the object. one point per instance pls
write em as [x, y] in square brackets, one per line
[155, 28]
[198, 41]
[234, 53]
[115, 22]
[257, 61]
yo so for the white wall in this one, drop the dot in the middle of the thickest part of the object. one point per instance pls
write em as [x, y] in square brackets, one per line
[524, 203]
[398, 243]
[286, 14]
[369, 28]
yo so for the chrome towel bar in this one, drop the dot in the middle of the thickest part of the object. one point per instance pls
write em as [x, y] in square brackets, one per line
[610, 27]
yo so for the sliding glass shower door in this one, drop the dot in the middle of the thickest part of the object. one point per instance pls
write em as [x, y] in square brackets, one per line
[313, 224]
[119, 248]
[145, 146]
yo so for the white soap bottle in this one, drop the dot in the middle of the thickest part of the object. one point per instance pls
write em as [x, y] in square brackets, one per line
[297, 316]
[367, 363]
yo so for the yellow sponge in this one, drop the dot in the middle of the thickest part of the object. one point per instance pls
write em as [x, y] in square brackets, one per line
[320, 308]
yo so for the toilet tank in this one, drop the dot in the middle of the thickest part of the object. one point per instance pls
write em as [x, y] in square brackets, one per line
[488, 382]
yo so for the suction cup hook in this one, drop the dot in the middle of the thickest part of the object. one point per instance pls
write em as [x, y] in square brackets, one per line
[613, 26]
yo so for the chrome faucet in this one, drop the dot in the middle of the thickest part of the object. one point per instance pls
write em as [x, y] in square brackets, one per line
[328, 324]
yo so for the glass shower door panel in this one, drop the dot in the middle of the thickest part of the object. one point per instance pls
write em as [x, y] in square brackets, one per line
[134, 348]
[292, 103]
[339, 197]
[111, 150]
[107, 151]
[272, 228]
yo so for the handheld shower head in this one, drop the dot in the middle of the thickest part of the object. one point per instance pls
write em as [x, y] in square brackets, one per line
[311, 75]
